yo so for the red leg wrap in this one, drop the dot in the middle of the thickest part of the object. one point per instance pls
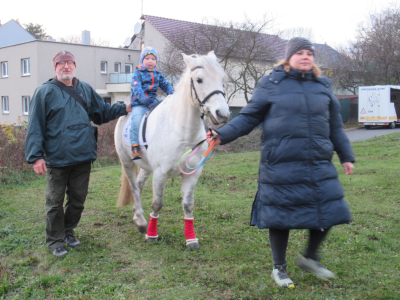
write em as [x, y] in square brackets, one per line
[189, 229]
[152, 227]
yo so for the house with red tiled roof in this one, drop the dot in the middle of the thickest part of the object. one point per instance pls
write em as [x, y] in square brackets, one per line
[160, 32]
[157, 31]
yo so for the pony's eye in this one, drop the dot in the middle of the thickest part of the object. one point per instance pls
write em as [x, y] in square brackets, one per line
[199, 80]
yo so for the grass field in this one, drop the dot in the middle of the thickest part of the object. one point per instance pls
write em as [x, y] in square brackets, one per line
[234, 259]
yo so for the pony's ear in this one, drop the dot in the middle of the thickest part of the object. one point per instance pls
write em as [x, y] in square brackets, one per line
[211, 54]
[188, 60]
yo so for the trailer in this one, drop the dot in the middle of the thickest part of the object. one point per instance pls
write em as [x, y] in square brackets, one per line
[379, 105]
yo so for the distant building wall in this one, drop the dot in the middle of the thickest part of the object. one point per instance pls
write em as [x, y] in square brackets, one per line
[16, 85]
[154, 38]
[41, 53]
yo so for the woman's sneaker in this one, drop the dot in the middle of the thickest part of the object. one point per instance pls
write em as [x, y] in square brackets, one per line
[314, 267]
[281, 277]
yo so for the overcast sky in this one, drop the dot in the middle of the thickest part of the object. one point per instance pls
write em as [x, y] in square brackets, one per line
[333, 22]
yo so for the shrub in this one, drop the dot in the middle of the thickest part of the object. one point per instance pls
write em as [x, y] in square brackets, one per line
[12, 149]
[15, 169]
[105, 144]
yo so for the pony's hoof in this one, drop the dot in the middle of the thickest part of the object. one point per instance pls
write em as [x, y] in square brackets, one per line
[194, 246]
[151, 240]
[140, 223]
[142, 229]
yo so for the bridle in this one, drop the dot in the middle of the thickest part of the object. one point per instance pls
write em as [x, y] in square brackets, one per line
[192, 151]
[202, 102]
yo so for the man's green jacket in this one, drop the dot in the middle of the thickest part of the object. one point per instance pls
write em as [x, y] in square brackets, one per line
[59, 128]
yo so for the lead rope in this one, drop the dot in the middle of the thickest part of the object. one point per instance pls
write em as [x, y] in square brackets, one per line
[192, 151]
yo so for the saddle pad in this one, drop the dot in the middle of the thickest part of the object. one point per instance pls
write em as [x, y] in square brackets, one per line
[150, 130]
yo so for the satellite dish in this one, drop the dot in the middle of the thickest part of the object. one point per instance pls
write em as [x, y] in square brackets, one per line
[127, 41]
[137, 28]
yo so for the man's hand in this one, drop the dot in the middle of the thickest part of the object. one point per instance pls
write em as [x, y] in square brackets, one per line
[348, 167]
[39, 166]
[128, 108]
[216, 138]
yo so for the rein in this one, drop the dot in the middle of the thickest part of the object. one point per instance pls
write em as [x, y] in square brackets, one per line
[194, 149]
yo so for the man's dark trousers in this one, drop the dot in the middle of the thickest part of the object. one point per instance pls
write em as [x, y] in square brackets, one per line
[74, 181]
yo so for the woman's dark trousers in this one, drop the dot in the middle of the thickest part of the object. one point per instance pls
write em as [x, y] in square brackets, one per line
[279, 240]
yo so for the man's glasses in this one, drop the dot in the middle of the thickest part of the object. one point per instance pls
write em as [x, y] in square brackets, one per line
[70, 63]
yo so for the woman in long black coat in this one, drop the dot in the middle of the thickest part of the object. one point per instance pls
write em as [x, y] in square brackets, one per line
[298, 183]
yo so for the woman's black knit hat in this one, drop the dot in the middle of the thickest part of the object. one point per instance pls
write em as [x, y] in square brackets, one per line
[297, 44]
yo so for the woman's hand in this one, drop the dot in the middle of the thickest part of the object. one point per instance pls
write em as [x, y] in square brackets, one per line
[348, 167]
[216, 138]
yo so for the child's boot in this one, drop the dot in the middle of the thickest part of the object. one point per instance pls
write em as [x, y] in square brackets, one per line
[136, 152]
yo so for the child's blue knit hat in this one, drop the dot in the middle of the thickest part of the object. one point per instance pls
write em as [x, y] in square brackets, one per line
[146, 51]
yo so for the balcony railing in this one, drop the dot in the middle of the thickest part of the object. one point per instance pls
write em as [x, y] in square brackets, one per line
[121, 78]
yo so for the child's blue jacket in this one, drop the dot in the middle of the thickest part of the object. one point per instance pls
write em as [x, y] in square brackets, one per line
[144, 85]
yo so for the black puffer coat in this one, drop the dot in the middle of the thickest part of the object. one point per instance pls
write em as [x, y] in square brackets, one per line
[298, 184]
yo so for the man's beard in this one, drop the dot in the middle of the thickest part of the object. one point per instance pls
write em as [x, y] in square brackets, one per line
[67, 77]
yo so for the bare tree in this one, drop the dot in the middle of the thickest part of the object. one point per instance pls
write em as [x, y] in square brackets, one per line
[244, 50]
[77, 39]
[338, 67]
[72, 39]
[377, 49]
[305, 32]
[345, 73]
[374, 57]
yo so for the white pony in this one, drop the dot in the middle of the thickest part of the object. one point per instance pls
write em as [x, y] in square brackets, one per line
[177, 127]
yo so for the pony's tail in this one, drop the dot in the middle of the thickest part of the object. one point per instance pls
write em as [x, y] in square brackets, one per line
[125, 196]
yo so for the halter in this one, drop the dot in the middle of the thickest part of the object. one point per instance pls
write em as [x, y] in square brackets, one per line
[202, 102]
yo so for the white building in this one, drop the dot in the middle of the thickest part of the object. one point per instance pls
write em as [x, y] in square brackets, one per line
[26, 63]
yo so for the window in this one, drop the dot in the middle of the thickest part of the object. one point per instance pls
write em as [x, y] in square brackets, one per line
[128, 68]
[103, 67]
[25, 105]
[4, 69]
[26, 67]
[5, 105]
[117, 68]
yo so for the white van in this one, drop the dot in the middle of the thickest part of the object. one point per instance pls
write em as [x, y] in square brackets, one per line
[379, 105]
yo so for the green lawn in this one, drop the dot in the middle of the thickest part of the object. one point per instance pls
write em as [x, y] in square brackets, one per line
[234, 259]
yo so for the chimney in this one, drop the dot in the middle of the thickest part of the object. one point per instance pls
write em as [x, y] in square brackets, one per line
[86, 37]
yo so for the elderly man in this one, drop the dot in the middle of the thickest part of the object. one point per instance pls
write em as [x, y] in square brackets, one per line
[61, 142]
